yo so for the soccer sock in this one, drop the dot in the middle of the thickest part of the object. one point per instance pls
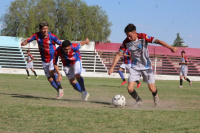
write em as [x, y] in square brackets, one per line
[58, 83]
[121, 75]
[35, 73]
[188, 80]
[137, 82]
[181, 82]
[77, 87]
[53, 83]
[135, 95]
[154, 93]
[27, 72]
[81, 82]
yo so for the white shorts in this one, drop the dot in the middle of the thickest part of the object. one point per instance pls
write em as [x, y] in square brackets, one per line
[48, 67]
[183, 73]
[29, 65]
[125, 66]
[147, 75]
[72, 70]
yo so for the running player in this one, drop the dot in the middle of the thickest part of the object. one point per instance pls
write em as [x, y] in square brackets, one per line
[137, 43]
[46, 44]
[71, 59]
[29, 65]
[126, 65]
[184, 69]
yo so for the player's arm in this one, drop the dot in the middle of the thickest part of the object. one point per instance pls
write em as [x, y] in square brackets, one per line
[117, 57]
[173, 49]
[127, 55]
[24, 43]
[86, 41]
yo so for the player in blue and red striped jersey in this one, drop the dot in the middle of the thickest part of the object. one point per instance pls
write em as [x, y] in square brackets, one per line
[46, 44]
[71, 59]
[126, 65]
[137, 43]
[184, 69]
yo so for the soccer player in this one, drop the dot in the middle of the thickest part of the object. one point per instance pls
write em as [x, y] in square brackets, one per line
[29, 65]
[46, 44]
[137, 43]
[71, 59]
[126, 65]
[184, 69]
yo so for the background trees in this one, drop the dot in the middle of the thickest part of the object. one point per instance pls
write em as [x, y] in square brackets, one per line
[68, 19]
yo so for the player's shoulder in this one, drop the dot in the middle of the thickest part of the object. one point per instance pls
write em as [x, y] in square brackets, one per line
[142, 36]
[75, 45]
[126, 40]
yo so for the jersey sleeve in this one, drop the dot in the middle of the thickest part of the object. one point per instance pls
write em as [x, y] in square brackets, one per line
[146, 37]
[55, 39]
[32, 38]
[186, 59]
[31, 56]
[76, 46]
[123, 46]
[55, 57]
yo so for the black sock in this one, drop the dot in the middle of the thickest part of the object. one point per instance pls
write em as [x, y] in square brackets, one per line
[137, 82]
[188, 80]
[135, 95]
[35, 73]
[27, 72]
[154, 93]
[181, 82]
[124, 79]
[59, 87]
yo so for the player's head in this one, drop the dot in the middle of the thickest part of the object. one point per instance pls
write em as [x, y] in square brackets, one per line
[130, 31]
[44, 28]
[28, 51]
[183, 53]
[66, 46]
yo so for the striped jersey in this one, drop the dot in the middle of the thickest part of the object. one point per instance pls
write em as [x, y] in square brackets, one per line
[70, 59]
[30, 57]
[139, 51]
[184, 66]
[127, 60]
[46, 45]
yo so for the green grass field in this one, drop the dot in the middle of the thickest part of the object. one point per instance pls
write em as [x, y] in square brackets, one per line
[29, 105]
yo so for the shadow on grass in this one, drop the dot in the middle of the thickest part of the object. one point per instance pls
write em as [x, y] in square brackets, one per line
[37, 98]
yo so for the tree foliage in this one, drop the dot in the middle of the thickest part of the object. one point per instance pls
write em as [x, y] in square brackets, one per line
[178, 42]
[68, 19]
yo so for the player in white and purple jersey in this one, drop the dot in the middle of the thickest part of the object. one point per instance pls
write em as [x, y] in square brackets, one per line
[46, 44]
[71, 59]
[137, 43]
[184, 69]
[29, 65]
[126, 65]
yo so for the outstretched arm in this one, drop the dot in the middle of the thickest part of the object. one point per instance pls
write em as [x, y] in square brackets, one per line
[173, 49]
[117, 57]
[86, 41]
[57, 71]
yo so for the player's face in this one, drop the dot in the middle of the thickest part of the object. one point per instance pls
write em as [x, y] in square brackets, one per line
[44, 31]
[67, 50]
[183, 54]
[132, 35]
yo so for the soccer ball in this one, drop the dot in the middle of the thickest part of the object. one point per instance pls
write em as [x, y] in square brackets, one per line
[119, 100]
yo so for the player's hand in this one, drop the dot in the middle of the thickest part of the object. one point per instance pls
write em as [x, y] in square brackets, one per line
[23, 44]
[87, 41]
[174, 49]
[110, 71]
[59, 78]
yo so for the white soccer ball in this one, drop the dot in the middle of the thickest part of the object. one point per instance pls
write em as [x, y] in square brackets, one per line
[119, 100]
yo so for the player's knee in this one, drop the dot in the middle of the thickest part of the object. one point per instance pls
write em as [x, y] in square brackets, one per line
[50, 79]
[130, 89]
[78, 76]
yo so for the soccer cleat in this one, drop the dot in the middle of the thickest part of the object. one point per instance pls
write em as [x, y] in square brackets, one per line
[60, 93]
[36, 77]
[28, 77]
[190, 83]
[180, 86]
[138, 103]
[85, 95]
[156, 100]
[124, 82]
[138, 85]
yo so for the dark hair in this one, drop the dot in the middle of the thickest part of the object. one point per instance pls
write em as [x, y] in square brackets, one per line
[183, 51]
[42, 24]
[129, 28]
[66, 43]
[28, 50]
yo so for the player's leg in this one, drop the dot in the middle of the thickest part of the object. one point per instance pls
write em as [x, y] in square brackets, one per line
[120, 71]
[77, 71]
[181, 79]
[27, 73]
[134, 76]
[148, 77]
[75, 84]
[185, 77]
[32, 69]
[138, 83]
